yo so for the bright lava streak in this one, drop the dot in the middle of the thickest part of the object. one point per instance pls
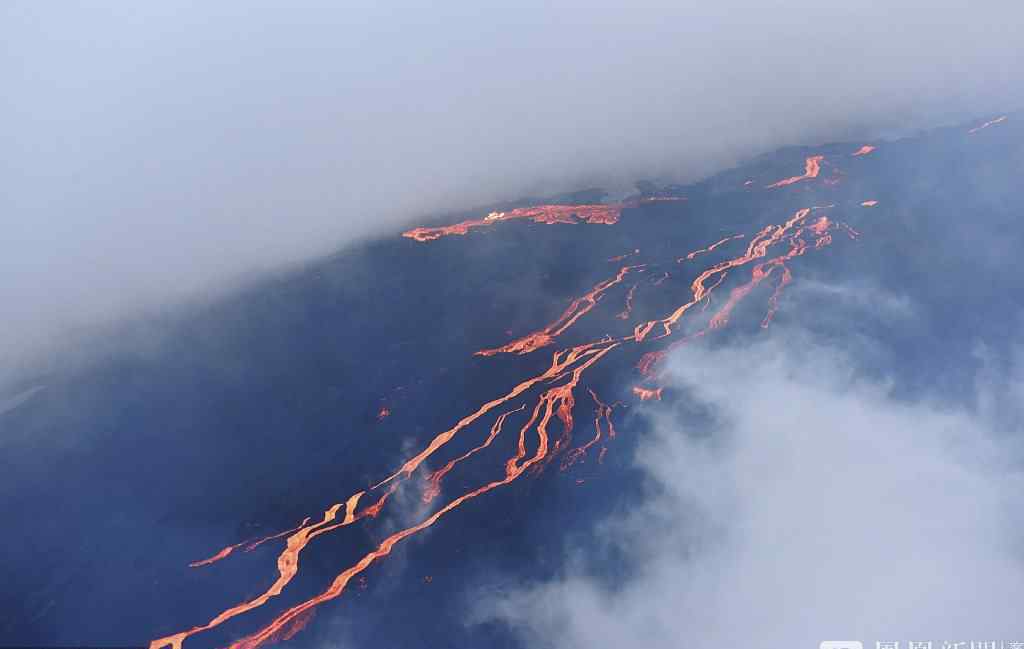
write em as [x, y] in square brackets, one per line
[618, 258]
[625, 313]
[647, 394]
[607, 214]
[552, 394]
[812, 167]
[248, 546]
[576, 309]
[701, 251]
[603, 412]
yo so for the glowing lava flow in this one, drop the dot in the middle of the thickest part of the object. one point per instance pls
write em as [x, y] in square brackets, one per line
[552, 395]
[820, 230]
[864, 150]
[701, 251]
[618, 258]
[762, 271]
[555, 402]
[607, 214]
[625, 313]
[577, 309]
[433, 488]
[603, 412]
[599, 213]
[287, 567]
[757, 248]
[292, 629]
[869, 203]
[645, 394]
[249, 546]
[991, 122]
[812, 167]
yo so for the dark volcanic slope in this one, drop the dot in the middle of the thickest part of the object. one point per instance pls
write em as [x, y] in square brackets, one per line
[286, 406]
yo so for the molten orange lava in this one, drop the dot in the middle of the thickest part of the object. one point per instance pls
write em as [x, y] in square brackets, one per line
[701, 251]
[798, 246]
[864, 150]
[433, 488]
[547, 396]
[820, 229]
[577, 309]
[603, 412]
[621, 257]
[248, 546]
[812, 166]
[624, 314]
[287, 567]
[555, 402]
[606, 214]
[292, 629]
[757, 248]
[645, 394]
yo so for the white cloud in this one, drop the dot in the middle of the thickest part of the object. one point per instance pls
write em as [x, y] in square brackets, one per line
[819, 507]
[157, 151]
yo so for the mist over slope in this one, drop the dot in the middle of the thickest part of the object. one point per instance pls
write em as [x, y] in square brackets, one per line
[160, 153]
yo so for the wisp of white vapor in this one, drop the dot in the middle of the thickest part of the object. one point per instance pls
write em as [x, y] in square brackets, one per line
[815, 506]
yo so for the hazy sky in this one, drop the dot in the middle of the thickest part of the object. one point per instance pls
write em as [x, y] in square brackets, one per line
[152, 151]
